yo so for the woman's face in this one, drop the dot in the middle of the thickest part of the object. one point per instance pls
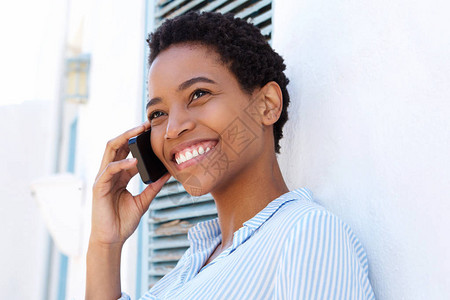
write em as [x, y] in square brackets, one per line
[204, 126]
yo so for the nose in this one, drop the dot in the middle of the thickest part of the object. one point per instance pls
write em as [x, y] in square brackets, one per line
[179, 121]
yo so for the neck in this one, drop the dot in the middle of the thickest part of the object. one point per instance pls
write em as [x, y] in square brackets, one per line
[246, 194]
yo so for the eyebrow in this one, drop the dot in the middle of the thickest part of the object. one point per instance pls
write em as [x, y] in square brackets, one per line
[152, 101]
[193, 81]
[181, 87]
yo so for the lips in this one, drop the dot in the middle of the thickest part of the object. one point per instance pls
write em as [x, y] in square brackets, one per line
[186, 155]
[187, 151]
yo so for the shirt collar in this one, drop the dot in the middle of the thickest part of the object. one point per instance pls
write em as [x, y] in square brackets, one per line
[207, 231]
[271, 208]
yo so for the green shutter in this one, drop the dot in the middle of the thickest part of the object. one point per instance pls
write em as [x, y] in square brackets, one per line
[256, 12]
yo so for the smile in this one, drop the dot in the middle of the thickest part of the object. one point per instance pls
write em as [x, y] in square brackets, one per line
[196, 150]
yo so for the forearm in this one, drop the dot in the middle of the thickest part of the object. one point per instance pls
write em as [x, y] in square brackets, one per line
[103, 272]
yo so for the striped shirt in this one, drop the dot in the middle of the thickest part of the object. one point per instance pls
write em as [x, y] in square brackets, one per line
[292, 249]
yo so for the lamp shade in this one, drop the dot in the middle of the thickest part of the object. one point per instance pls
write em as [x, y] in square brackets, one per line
[77, 79]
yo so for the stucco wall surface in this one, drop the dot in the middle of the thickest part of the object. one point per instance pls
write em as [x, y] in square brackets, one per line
[24, 153]
[369, 129]
[114, 37]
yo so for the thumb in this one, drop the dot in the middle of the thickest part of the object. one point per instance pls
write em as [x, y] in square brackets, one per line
[150, 192]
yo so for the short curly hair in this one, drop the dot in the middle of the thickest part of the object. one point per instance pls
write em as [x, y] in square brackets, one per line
[241, 46]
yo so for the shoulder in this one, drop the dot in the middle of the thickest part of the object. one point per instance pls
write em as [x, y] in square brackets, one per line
[297, 207]
[307, 226]
[299, 210]
[320, 255]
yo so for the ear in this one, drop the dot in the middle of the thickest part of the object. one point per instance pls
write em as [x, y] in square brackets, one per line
[271, 103]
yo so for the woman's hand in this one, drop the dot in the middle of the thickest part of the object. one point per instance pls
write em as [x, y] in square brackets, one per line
[115, 211]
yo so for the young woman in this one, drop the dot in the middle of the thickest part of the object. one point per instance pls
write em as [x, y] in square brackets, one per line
[217, 105]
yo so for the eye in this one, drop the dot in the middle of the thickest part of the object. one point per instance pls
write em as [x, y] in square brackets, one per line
[198, 93]
[155, 114]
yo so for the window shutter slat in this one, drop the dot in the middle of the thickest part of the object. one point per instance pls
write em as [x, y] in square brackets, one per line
[262, 18]
[168, 8]
[214, 5]
[245, 13]
[180, 199]
[231, 6]
[185, 8]
[184, 212]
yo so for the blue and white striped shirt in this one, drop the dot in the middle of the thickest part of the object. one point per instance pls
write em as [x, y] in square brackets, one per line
[292, 249]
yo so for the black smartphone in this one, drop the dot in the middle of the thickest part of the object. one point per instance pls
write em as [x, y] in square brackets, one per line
[149, 166]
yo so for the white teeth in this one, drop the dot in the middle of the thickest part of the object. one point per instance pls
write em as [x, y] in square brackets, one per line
[188, 155]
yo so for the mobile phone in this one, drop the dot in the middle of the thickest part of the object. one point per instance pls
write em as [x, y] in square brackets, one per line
[149, 166]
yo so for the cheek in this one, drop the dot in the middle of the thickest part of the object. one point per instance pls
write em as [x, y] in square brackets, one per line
[240, 130]
[218, 115]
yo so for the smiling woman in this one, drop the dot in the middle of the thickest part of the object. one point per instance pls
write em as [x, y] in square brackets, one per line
[200, 100]
[218, 103]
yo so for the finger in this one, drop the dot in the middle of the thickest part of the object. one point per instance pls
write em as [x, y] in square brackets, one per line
[115, 168]
[150, 192]
[132, 171]
[117, 148]
[126, 176]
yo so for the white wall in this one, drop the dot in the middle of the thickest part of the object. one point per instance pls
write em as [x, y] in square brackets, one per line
[114, 36]
[25, 137]
[369, 120]
[33, 40]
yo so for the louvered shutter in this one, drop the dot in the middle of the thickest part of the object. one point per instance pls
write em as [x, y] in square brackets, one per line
[174, 211]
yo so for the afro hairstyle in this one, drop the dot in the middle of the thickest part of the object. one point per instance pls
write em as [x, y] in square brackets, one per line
[240, 45]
